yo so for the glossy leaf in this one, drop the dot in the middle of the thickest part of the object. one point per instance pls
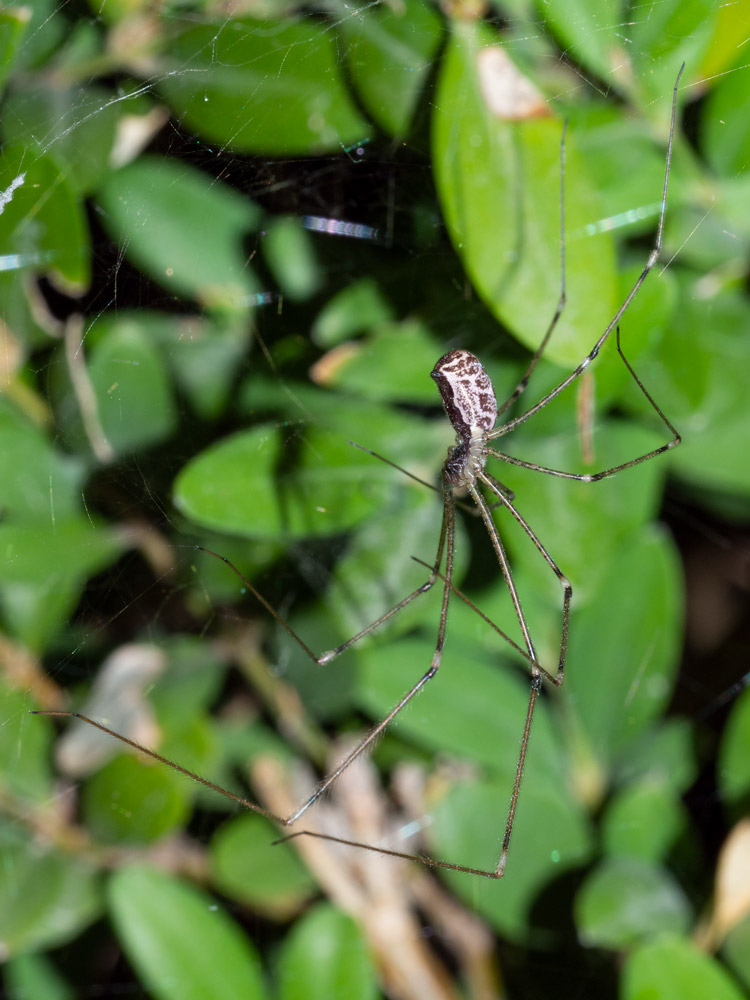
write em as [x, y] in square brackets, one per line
[290, 255]
[730, 28]
[499, 184]
[471, 708]
[680, 31]
[233, 486]
[77, 127]
[181, 942]
[135, 405]
[581, 524]
[624, 902]
[184, 229]
[378, 570]
[623, 649]
[35, 479]
[725, 134]
[588, 30]
[45, 567]
[34, 975]
[330, 943]
[672, 968]
[550, 836]
[200, 352]
[270, 87]
[358, 307]
[132, 801]
[13, 25]
[43, 35]
[46, 898]
[402, 354]
[248, 867]
[44, 226]
[702, 388]
[665, 754]
[644, 821]
[389, 53]
[24, 748]
[736, 950]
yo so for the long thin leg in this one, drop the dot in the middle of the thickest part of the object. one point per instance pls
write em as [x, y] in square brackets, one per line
[567, 588]
[331, 654]
[536, 684]
[652, 258]
[447, 539]
[593, 477]
[486, 618]
[447, 535]
[560, 302]
[422, 482]
[536, 675]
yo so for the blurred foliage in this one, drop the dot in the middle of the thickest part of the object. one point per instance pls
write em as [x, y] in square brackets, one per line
[230, 246]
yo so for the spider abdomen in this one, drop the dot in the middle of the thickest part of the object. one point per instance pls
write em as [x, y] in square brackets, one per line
[467, 392]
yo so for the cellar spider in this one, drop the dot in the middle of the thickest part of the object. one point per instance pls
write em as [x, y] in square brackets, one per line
[469, 400]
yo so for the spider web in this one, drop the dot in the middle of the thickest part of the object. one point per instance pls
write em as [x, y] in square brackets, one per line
[276, 232]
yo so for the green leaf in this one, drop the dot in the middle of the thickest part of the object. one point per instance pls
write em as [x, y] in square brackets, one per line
[181, 943]
[35, 976]
[664, 754]
[673, 33]
[736, 950]
[44, 570]
[624, 901]
[703, 389]
[135, 405]
[184, 229]
[734, 756]
[290, 255]
[724, 132]
[134, 801]
[624, 647]
[672, 968]
[588, 30]
[46, 898]
[402, 354]
[377, 570]
[731, 28]
[202, 353]
[77, 126]
[390, 52]
[499, 185]
[550, 836]
[36, 481]
[644, 821]
[328, 942]
[25, 743]
[471, 708]
[13, 24]
[628, 167]
[269, 87]
[581, 524]
[248, 867]
[44, 227]
[233, 486]
[192, 681]
[356, 308]
[44, 35]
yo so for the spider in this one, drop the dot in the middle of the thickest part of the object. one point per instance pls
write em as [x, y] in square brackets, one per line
[469, 400]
